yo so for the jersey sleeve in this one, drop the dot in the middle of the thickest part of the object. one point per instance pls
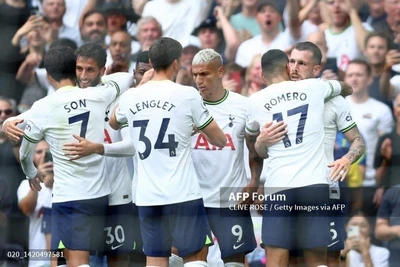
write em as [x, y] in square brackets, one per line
[332, 88]
[124, 80]
[120, 112]
[252, 125]
[344, 120]
[201, 115]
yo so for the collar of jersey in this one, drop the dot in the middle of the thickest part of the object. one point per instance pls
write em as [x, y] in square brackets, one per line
[337, 33]
[218, 101]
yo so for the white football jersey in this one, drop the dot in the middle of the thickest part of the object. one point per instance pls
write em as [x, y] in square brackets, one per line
[373, 119]
[71, 110]
[117, 169]
[337, 116]
[343, 46]
[299, 159]
[161, 116]
[219, 168]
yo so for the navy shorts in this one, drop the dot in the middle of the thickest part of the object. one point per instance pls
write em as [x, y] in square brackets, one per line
[137, 234]
[295, 220]
[118, 230]
[233, 229]
[337, 225]
[46, 221]
[79, 225]
[182, 225]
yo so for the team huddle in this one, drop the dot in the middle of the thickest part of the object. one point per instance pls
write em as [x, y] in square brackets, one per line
[152, 167]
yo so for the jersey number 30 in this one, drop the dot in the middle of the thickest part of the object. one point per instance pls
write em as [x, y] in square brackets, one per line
[171, 144]
[300, 128]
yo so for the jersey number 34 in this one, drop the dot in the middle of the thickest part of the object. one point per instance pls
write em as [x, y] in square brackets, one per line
[171, 144]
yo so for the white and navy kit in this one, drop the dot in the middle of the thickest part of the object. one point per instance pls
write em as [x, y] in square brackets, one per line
[298, 167]
[222, 172]
[161, 116]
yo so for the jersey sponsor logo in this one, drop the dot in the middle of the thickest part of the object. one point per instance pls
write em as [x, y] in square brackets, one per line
[107, 137]
[202, 143]
[238, 246]
[231, 118]
[349, 118]
[367, 116]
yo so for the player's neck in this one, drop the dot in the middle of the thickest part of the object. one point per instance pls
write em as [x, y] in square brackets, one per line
[278, 79]
[63, 83]
[216, 96]
[163, 75]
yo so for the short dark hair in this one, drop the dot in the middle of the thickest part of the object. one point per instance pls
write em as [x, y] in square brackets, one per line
[95, 51]
[360, 61]
[64, 42]
[143, 57]
[60, 63]
[382, 35]
[163, 52]
[309, 46]
[273, 62]
[94, 11]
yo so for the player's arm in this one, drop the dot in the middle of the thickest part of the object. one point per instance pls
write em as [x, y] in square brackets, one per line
[214, 134]
[256, 166]
[124, 80]
[26, 153]
[340, 167]
[14, 127]
[346, 89]
[85, 148]
[117, 118]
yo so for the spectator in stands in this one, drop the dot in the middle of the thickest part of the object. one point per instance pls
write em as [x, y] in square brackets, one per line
[387, 160]
[376, 52]
[148, 30]
[268, 17]
[346, 34]
[94, 28]
[31, 203]
[53, 12]
[246, 19]
[14, 223]
[376, 12]
[120, 52]
[217, 33]
[373, 119]
[252, 79]
[358, 250]
[390, 24]
[178, 17]
[116, 19]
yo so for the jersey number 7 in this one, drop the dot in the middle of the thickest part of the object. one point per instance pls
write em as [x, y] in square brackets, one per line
[300, 128]
[171, 144]
[84, 117]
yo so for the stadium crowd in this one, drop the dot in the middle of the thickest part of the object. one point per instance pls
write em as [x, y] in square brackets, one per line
[220, 48]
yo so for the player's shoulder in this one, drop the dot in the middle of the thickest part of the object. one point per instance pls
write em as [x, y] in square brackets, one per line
[236, 96]
[338, 102]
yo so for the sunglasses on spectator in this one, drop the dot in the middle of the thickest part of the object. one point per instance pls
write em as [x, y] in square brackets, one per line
[6, 111]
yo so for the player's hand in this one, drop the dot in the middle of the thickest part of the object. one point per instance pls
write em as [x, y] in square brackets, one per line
[34, 183]
[340, 168]
[272, 133]
[147, 76]
[249, 189]
[386, 149]
[12, 131]
[79, 150]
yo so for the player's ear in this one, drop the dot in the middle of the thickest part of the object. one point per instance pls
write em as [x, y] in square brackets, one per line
[263, 79]
[50, 79]
[221, 72]
[102, 71]
[316, 70]
[151, 64]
